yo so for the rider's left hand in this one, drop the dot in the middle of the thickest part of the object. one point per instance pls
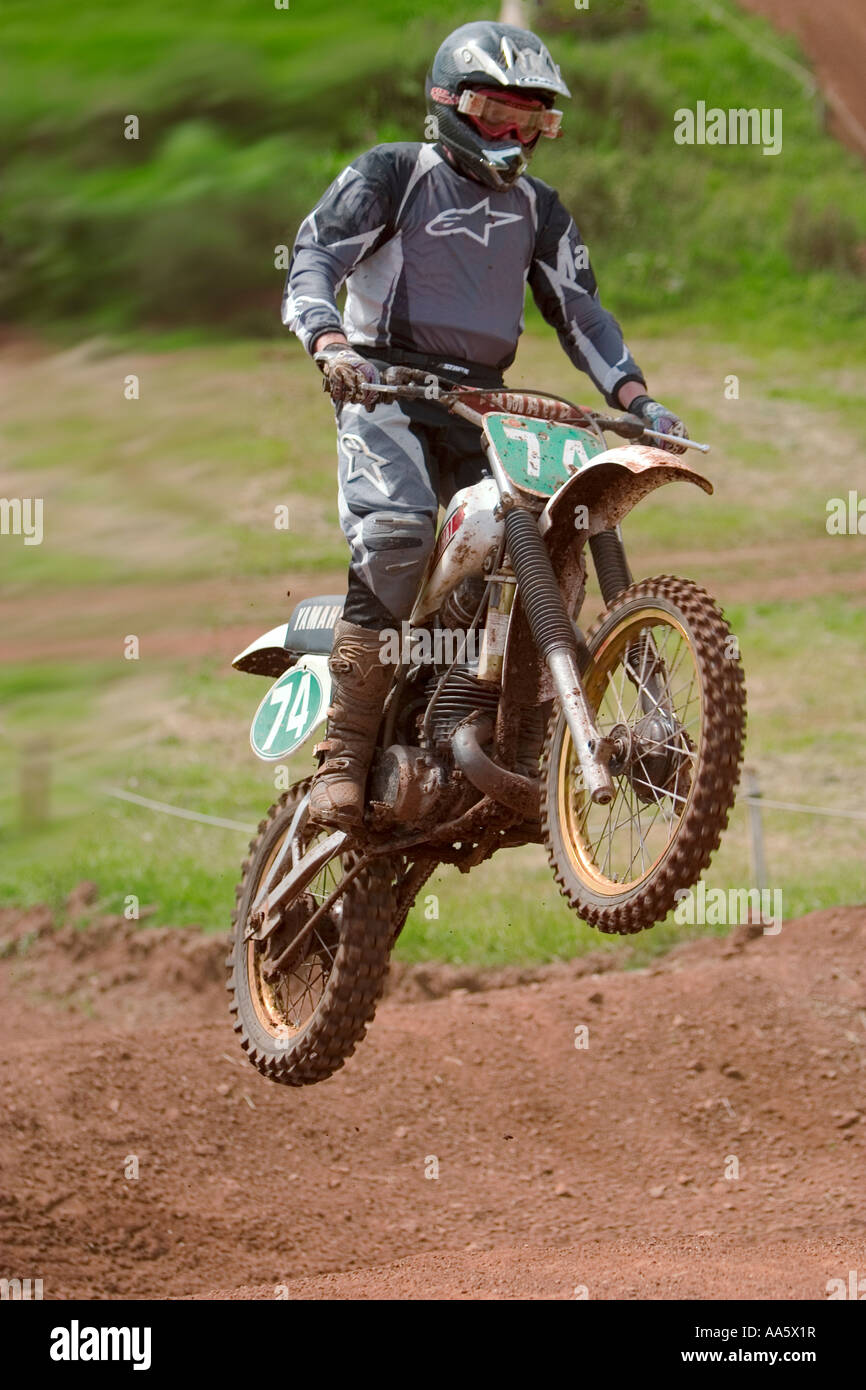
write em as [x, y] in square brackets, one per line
[658, 417]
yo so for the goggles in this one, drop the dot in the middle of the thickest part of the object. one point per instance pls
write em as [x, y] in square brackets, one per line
[498, 117]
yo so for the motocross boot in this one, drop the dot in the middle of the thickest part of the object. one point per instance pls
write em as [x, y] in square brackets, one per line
[361, 683]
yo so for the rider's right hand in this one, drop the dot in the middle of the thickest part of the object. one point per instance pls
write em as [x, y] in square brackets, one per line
[349, 375]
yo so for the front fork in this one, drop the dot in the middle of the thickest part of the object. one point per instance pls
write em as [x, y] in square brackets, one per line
[554, 636]
[550, 624]
[643, 667]
[593, 750]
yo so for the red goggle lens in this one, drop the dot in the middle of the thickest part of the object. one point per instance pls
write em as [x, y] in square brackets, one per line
[497, 118]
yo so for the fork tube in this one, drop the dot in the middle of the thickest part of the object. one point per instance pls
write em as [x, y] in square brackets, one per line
[592, 750]
[555, 639]
[611, 565]
[614, 576]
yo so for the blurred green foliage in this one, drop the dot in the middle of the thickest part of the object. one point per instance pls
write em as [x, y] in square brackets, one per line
[246, 113]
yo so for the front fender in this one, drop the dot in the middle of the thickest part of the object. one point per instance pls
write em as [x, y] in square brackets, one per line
[608, 486]
[612, 483]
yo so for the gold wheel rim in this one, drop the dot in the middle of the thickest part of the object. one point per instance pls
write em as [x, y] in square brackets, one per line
[285, 1006]
[587, 830]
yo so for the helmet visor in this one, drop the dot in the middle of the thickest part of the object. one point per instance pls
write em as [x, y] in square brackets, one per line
[498, 116]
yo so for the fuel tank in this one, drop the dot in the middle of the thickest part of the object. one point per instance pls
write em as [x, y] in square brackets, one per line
[469, 534]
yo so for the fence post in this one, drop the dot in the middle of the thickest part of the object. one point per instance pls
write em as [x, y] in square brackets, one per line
[34, 785]
[513, 12]
[756, 829]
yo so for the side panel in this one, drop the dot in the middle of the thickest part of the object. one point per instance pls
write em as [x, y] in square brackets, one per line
[470, 532]
[292, 709]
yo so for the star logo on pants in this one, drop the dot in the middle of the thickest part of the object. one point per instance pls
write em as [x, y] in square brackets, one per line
[363, 463]
[477, 222]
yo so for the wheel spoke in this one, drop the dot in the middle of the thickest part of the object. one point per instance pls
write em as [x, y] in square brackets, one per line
[627, 836]
[292, 998]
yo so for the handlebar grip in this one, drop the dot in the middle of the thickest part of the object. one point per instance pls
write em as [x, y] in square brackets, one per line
[628, 426]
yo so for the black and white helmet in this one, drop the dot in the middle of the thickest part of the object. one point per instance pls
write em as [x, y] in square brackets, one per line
[491, 58]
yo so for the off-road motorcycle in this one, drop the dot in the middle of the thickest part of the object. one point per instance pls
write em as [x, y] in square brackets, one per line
[618, 750]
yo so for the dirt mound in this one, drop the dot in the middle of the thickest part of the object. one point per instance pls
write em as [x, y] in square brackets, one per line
[109, 967]
[143, 1157]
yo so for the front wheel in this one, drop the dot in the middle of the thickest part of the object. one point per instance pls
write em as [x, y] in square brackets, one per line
[665, 683]
[300, 1022]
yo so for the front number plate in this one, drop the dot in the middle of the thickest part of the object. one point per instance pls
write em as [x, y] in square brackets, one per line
[539, 455]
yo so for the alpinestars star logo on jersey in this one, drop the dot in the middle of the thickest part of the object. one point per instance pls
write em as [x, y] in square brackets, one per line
[477, 222]
[363, 462]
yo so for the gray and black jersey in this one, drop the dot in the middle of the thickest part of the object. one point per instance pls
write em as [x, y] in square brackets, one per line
[434, 263]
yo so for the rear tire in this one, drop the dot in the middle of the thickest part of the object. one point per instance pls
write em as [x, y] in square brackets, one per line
[346, 963]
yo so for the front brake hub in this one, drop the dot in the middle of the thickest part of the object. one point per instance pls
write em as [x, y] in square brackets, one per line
[656, 762]
[622, 742]
[292, 920]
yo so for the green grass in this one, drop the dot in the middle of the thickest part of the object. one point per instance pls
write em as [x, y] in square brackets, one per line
[159, 522]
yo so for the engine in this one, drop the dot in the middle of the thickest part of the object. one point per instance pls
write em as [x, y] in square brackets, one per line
[461, 694]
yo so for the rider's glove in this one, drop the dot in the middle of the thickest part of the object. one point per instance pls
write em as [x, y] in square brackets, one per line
[348, 374]
[658, 417]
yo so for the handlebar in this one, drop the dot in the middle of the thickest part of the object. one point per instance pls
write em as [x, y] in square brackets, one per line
[411, 383]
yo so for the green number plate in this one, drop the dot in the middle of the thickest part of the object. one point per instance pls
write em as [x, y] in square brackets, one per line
[286, 714]
[537, 455]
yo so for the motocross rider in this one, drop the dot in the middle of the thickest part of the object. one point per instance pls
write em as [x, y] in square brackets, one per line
[435, 243]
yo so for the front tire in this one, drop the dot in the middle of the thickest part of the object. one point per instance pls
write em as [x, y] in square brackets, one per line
[665, 683]
[300, 1027]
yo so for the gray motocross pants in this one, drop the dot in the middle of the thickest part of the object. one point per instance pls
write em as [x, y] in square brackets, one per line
[397, 463]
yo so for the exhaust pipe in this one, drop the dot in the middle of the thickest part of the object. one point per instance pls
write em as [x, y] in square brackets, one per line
[518, 793]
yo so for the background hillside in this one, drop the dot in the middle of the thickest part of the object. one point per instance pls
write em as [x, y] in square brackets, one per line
[247, 112]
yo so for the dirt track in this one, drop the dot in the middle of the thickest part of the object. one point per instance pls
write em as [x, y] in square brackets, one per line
[558, 1167]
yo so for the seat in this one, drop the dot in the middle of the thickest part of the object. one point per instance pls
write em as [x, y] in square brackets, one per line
[309, 631]
[311, 626]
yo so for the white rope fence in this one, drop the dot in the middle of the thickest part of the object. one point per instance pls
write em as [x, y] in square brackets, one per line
[168, 810]
[756, 799]
[751, 798]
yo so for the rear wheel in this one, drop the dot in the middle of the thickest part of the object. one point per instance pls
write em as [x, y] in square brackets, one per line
[666, 685]
[299, 1022]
